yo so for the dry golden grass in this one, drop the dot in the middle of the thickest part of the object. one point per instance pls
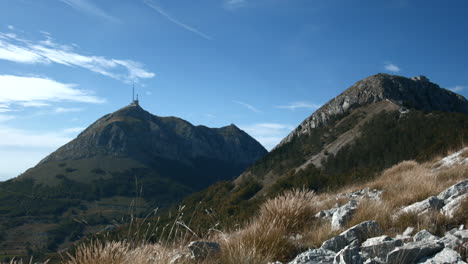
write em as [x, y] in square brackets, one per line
[14, 261]
[373, 210]
[266, 237]
[121, 253]
[317, 233]
[406, 183]
[290, 210]
[258, 243]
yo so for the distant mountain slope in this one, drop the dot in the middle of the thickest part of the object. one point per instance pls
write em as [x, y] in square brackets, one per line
[374, 124]
[417, 92]
[340, 121]
[127, 161]
[168, 147]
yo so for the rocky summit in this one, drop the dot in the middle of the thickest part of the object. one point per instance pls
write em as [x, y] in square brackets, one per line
[417, 92]
[337, 140]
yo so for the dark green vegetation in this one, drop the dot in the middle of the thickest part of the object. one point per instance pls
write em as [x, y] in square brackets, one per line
[386, 139]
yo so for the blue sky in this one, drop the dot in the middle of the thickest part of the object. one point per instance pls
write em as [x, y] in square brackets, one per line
[264, 65]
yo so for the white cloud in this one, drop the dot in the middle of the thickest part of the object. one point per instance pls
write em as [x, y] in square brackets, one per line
[67, 110]
[35, 91]
[234, 4]
[457, 88]
[392, 67]
[248, 106]
[4, 118]
[300, 105]
[13, 137]
[13, 48]
[11, 27]
[158, 9]
[268, 134]
[34, 104]
[88, 7]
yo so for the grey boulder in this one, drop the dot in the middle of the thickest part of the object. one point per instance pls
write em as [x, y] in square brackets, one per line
[413, 252]
[425, 235]
[342, 215]
[430, 204]
[315, 256]
[379, 247]
[454, 191]
[358, 232]
[446, 256]
[348, 255]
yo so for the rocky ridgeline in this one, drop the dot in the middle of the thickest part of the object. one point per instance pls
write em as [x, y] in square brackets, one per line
[417, 92]
[366, 244]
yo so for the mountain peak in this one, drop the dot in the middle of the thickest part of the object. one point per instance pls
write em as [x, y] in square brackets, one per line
[417, 92]
[132, 132]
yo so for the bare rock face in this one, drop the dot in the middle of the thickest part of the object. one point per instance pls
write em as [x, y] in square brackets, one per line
[343, 214]
[315, 256]
[446, 256]
[379, 247]
[416, 92]
[358, 233]
[413, 252]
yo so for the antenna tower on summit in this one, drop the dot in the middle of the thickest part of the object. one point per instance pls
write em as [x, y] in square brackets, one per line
[134, 102]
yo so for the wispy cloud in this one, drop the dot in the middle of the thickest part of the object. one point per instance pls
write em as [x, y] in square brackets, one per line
[300, 105]
[248, 106]
[35, 91]
[392, 67]
[67, 110]
[4, 118]
[16, 49]
[268, 134]
[13, 137]
[158, 9]
[234, 4]
[457, 88]
[90, 8]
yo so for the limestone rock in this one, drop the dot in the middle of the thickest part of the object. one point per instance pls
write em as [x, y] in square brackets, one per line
[315, 256]
[379, 247]
[431, 203]
[348, 255]
[202, 249]
[446, 256]
[358, 232]
[425, 235]
[454, 191]
[342, 215]
[413, 252]
[408, 231]
[452, 206]
[404, 239]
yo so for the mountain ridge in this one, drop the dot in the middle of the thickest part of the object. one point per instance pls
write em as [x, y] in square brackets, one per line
[109, 134]
[405, 92]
